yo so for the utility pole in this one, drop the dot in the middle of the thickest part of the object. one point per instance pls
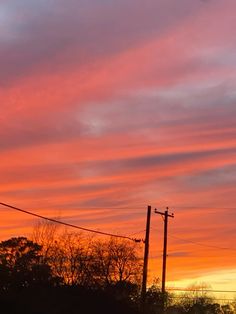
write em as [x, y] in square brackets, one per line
[166, 216]
[146, 253]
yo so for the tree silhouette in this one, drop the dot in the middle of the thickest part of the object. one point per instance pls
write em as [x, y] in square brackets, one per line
[116, 261]
[69, 259]
[96, 276]
[21, 264]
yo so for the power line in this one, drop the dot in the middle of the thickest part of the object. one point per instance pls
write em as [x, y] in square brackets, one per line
[204, 207]
[192, 298]
[202, 244]
[110, 207]
[69, 225]
[138, 232]
[201, 290]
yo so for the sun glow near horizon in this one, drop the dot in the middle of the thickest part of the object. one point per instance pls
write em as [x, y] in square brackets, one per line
[108, 107]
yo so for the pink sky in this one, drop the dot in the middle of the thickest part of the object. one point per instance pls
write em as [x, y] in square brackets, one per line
[109, 106]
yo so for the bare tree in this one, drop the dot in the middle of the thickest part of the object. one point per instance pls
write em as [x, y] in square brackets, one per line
[127, 264]
[80, 260]
[45, 233]
[69, 258]
[101, 266]
[116, 261]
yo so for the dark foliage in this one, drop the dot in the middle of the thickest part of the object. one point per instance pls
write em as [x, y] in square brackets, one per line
[104, 281]
[63, 300]
[21, 265]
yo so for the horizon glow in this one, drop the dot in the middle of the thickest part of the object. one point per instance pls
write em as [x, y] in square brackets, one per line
[121, 104]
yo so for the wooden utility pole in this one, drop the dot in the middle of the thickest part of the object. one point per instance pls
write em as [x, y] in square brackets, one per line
[146, 253]
[166, 216]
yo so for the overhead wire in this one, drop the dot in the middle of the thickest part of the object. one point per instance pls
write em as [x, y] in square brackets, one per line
[119, 236]
[68, 224]
[110, 207]
[202, 244]
[192, 298]
[138, 232]
[203, 207]
[122, 236]
[200, 290]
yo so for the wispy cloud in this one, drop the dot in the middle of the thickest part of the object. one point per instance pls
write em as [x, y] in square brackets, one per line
[119, 104]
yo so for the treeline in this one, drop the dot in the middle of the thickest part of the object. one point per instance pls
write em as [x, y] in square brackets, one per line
[63, 273]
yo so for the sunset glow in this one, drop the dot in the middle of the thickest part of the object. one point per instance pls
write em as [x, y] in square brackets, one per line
[108, 106]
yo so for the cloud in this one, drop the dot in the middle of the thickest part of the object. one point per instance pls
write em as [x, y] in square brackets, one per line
[54, 34]
[178, 254]
[34, 129]
[119, 104]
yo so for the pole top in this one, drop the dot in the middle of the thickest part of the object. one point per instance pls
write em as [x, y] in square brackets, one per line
[165, 213]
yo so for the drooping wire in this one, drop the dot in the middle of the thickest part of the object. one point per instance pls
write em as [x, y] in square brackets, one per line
[68, 224]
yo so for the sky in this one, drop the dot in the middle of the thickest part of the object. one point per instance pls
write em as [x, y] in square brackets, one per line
[108, 106]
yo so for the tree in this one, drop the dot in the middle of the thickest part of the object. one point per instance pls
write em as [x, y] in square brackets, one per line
[45, 233]
[115, 262]
[127, 264]
[21, 265]
[155, 299]
[69, 259]
[228, 309]
[83, 261]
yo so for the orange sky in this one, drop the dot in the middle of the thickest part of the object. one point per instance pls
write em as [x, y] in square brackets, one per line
[109, 106]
